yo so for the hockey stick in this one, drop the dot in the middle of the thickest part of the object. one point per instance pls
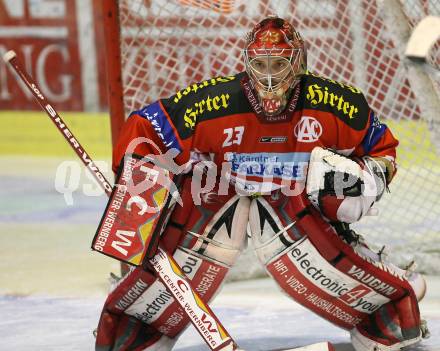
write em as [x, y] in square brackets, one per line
[169, 272]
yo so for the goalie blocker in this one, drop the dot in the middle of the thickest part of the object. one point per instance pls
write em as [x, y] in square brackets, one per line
[136, 212]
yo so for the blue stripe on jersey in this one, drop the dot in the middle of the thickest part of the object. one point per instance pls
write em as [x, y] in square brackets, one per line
[374, 133]
[159, 121]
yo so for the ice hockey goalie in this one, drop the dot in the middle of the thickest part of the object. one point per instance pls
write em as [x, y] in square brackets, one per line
[292, 156]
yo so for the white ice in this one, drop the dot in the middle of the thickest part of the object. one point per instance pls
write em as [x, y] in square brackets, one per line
[254, 312]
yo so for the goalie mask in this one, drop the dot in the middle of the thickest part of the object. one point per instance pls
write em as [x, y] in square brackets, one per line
[275, 60]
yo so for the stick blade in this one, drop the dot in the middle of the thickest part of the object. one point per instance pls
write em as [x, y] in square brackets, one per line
[9, 55]
[321, 346]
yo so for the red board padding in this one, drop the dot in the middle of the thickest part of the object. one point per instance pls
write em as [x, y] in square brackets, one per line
[133, 219]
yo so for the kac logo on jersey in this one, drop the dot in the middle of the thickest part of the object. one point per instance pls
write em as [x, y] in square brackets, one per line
[308, 130]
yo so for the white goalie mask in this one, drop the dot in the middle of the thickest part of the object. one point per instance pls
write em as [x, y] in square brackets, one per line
[275, 60]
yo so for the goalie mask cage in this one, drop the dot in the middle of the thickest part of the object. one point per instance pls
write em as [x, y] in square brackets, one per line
[164, 45]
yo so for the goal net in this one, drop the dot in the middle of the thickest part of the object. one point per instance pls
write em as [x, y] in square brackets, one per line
[167, 44]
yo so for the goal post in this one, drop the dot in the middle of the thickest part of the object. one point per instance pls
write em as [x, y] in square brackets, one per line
[109, 14]
[167, 44]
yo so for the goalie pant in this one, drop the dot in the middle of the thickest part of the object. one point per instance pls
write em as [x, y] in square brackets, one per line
[347, 286]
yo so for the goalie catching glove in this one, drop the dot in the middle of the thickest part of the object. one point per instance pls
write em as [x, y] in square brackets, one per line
[344, 189]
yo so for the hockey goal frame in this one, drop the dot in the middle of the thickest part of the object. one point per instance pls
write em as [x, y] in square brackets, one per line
[112, 42]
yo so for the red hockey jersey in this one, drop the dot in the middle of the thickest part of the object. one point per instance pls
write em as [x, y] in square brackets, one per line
[219, 119]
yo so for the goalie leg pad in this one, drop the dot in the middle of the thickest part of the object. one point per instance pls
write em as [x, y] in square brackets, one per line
[216, 230]
[313, 265]
[394, 326]
[210, 241]
[119, 331]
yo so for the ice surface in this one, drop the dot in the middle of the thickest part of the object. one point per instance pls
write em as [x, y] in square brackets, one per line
[256, 314]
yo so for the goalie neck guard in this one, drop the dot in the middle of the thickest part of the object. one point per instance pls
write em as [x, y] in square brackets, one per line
[275, 60]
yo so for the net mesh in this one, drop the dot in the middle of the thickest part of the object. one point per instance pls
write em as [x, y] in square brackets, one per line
[168, 44]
